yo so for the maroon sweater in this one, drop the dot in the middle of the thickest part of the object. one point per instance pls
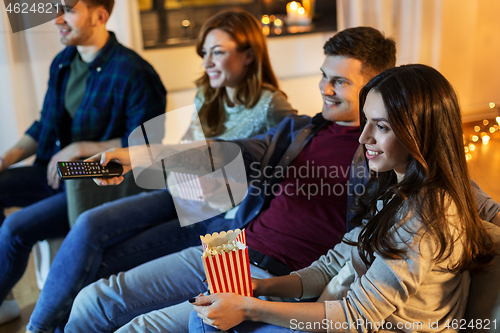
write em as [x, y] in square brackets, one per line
[307, 217]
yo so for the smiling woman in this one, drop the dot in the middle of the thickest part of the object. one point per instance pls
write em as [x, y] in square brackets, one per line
[384, 151]
[238, 76]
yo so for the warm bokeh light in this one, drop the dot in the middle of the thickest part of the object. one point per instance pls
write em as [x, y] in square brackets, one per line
[483, 134]
[474, 138]
[186, 23]
[278, 23]
[266, 30]
[492, 105]
[277, 31]
[294, 5]
[485, 122]
[301, 11]
[265, 19]
[477, 128]
[468, 157]
[466, 149]
[472, 147]
[486, 139]
[498, 120]
[492, 129]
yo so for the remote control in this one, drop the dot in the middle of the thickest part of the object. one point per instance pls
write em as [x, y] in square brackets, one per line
[80, 169]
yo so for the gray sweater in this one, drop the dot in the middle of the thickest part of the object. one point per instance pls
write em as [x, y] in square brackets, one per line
[411, 294]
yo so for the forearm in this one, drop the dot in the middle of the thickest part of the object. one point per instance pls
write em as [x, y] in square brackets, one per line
[85, 149]
[24, 148]
[496, 220]
[197, 158]
[290, 315]
[288, 286]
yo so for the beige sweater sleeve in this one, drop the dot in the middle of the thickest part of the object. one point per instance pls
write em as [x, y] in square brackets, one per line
[411, 291]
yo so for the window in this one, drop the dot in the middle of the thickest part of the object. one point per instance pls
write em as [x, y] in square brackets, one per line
[177, 22]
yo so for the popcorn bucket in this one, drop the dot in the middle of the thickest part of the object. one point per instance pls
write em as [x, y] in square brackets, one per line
[193, 187]
[226, 263]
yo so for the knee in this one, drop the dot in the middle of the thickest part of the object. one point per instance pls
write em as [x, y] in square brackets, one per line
[87, 305]
[88, 223]
[84, 301]
[11, 226]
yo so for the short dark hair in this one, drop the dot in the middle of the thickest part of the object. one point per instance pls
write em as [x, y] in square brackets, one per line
[365, 44]
[107, 4]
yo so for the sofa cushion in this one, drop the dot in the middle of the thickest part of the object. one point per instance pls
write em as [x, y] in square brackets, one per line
[484, 295]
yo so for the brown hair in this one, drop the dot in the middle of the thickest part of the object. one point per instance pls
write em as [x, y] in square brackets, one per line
[107, 4]
[365, 44]
[424, 114]
[246, 32]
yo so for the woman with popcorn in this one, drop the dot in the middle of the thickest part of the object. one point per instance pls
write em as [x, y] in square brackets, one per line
[405, 267]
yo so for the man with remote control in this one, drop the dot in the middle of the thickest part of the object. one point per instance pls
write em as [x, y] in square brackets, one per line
[98, 92]
[288, 224]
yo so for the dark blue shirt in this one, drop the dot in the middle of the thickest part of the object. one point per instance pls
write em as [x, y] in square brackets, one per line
[123, 91]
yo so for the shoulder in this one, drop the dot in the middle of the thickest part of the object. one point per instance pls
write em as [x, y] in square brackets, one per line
[199, 99]
[272, 96]
[129, 61]
[413, 232]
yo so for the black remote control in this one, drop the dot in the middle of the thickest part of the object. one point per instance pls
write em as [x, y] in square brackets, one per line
[80, 169]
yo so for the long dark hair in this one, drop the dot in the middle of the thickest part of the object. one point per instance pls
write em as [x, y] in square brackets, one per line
[246, 31]
[424, 114]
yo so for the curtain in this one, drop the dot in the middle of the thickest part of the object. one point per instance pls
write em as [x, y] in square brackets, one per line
[457, 37]
[415, 25]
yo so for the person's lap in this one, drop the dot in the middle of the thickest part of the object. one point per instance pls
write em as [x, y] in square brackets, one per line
[106, 240]
[23, 186]
[196, 325]
[44, 217]
[156, 285]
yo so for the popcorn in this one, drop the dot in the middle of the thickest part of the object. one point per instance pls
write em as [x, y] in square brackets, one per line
[226, 264]
[228, 247]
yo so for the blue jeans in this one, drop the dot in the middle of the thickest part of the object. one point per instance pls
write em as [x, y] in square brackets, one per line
[196, 325]
[44, 216]
[108, 239]
[154, 295]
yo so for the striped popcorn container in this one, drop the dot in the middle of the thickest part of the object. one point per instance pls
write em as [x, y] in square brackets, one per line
[193, 187]
[226, 263]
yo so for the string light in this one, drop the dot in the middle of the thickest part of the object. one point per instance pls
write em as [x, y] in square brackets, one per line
[483, 136]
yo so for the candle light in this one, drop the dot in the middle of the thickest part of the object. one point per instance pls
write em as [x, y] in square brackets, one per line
[296, 14]
[292, 9]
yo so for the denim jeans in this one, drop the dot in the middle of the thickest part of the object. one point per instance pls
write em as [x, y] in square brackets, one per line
[44, 216]
[154, 295]
[196, 325]
[108, 239]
